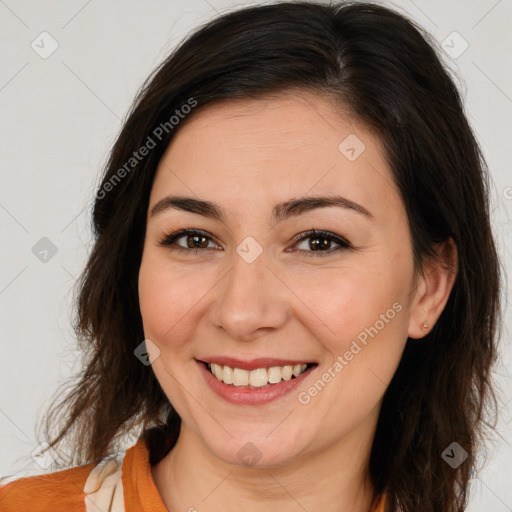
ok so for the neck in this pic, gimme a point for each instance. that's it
(336, 479)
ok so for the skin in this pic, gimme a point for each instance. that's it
(247, 156)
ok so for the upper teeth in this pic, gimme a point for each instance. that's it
(256, 378)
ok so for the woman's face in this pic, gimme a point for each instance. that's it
(242, 289)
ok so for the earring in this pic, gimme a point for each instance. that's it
(425, 325)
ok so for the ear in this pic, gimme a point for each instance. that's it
(433, 288)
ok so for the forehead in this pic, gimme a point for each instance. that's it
(287, 145)
(288, 121)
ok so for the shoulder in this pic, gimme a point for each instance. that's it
(93, 486)
(60, 490)
(71, 490)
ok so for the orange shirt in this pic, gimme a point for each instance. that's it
(63, 491)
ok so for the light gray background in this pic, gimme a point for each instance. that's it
(59, 117)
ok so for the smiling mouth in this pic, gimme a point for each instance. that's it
(257, 378)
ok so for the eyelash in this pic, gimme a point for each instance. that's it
(169, 241)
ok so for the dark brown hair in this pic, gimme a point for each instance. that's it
(381, 68)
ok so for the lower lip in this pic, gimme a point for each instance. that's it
(247, 396)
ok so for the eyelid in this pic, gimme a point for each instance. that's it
(343, 243)
(169, 240)
(311, 233)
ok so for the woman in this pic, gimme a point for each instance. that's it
(293, 294)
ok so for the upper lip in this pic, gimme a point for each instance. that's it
(253, 364)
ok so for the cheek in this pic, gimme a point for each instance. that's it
(343, 302)
(167, 298)
(361, 319)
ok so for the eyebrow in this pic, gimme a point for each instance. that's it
(280, 212)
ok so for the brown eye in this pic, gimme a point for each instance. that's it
(320, 243)
(194, 240)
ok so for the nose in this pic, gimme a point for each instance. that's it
(252, 300)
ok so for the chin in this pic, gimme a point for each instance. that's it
(256, 449)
